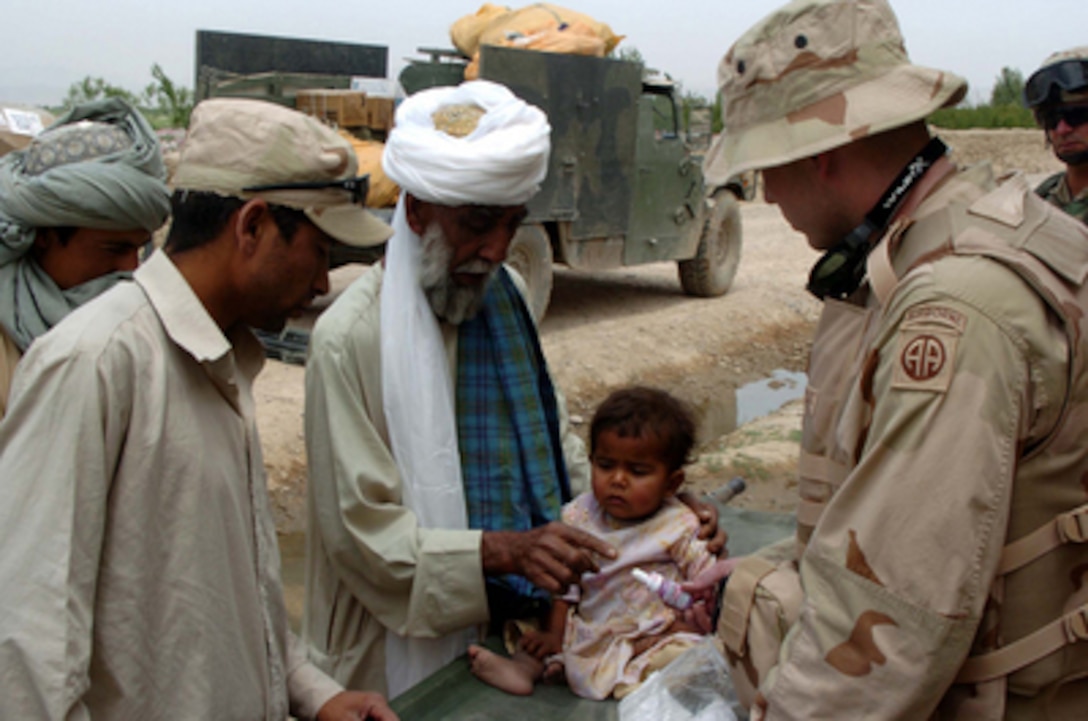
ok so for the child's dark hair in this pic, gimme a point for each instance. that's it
(639, 412)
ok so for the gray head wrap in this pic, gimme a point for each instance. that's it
(99, 166)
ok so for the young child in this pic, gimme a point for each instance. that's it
(611, 631)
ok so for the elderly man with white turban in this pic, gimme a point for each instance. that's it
(435, 440)
(439, 452)
(76, 206)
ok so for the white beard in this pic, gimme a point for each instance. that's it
(451, 302)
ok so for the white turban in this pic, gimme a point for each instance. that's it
(500, 162)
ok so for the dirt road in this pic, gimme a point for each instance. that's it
(604, 330)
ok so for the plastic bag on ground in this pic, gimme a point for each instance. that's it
(694, 687)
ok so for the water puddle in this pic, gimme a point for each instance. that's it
(728, 411)
(766, 396)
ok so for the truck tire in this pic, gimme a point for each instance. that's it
(530, 254)
(711, 271)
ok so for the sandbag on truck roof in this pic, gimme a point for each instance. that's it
(541, 26)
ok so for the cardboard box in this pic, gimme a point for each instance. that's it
(379, 113)
(344, 108)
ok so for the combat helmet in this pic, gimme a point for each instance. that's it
(1059, 89)
(1062, 78)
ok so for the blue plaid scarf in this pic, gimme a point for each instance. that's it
(508, 423)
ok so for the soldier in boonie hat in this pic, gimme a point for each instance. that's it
(817, 75)
(1058, 95)
(922, 433)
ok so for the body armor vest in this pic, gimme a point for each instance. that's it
(1022, 645)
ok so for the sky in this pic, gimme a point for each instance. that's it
(46, 45)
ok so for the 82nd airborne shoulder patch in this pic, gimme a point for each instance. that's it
(926, 348)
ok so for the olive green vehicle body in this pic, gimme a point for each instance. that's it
(624, 184)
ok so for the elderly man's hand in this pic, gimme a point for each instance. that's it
(551, 557)
(356, 706)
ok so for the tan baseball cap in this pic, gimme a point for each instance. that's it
(254, 149)
(815, 75)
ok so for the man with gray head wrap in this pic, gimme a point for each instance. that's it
(76, 206)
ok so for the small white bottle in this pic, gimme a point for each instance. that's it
(669, 591)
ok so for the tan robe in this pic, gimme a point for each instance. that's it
(370, 566)
(140, 577)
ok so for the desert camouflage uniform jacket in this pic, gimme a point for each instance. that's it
(1055, 190)
(944, 418)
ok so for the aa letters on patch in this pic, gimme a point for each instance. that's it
(926, 348)
(925, 358)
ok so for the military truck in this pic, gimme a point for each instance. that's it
(624, 186)
(275, 68)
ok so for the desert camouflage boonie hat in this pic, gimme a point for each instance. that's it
(815, 75)
(255, 149)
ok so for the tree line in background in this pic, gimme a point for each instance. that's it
(164, 103)
(1005, 110)
(168, 105)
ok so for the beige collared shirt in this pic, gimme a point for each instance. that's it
(140, 574)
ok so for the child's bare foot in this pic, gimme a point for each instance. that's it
(506, 674)
(554, 673)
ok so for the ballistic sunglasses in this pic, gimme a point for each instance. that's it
(1068, 75)
(357, 187)
(840, 271)
(1073, 115)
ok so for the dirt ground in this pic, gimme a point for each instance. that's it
(604, 330)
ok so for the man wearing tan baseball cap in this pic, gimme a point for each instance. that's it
(935, 572)
(140, 576)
